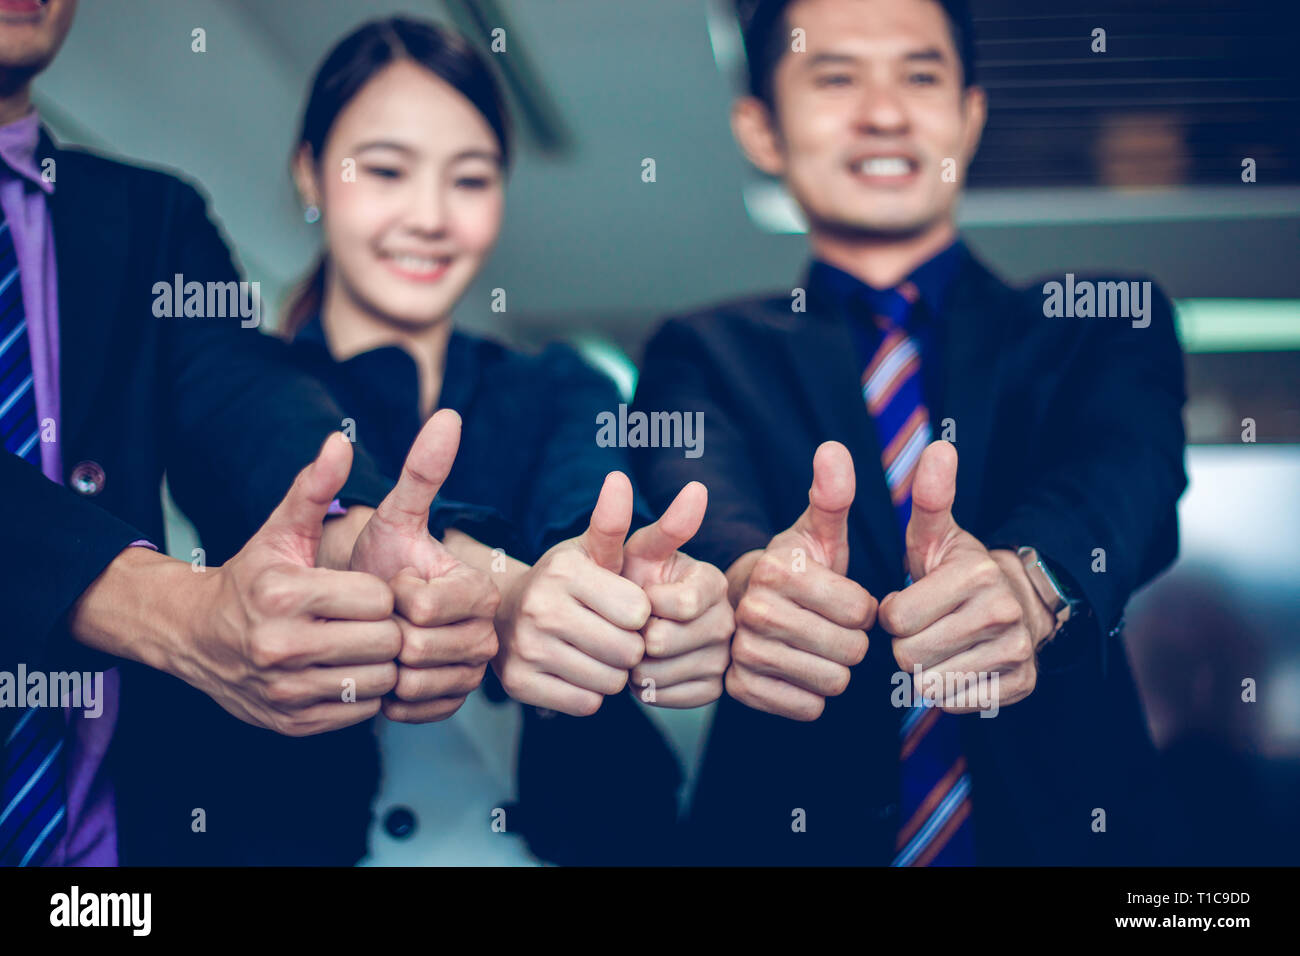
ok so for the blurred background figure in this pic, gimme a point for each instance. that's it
(1141, 150)
(1164, 145)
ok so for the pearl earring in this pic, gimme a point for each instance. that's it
(311, 214)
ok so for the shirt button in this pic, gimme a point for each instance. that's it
(399, 822)
(887, 811)
(87, 478)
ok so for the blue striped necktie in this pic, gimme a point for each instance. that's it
(32, 796)
(936, 802)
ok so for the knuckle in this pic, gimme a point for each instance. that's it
(281, 693)
(838, 682)
(758, 659)
(1004, 610)
(639, 610)
(422, 607)
(770, 571)
(810, 709)
(266, 650)
(295, 727)
(756, 614)
(415, 647)
(537, 604)
(278, 723)
(391, 638)
(742, 648)
(616, 683)
(487, 647)
(985, 572)
(397, 710)
(858, 651)
(656, 638)
(867, 610)
(274, 595)
(631, 653)
(530, 648)
(691, 604)
(408, 684)
(888, 617)
(462, 682)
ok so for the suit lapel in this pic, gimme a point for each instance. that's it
(973, 331)
(90, 231)
(825, 361)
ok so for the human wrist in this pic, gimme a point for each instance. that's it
(141, 607)
(1038, 616)
(339, 536)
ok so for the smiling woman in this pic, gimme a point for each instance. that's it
(403, 148)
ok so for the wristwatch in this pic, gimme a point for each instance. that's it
(1060, 600)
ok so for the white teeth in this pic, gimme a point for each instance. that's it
(885, 166)
(418, 263)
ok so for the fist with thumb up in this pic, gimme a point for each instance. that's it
(688, 636)
(969, 611)
(281, 642)
(569, 628)
(800, 622)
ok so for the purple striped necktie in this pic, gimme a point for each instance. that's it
(32, 796)
(937, 829)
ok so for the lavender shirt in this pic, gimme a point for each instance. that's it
(91, 835)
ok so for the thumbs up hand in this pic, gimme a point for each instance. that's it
(284, 644)
(969, 611)
(570, 630)
(445, 609)
(800, 623)
(688, 636)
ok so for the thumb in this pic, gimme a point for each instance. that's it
(302, 512)
(933, 490)
(610, 519)
(427, 465)
(829, 499)
(677, 525)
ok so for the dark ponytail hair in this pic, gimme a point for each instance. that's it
(356, 59)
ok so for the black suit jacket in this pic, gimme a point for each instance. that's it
(220, 408)
(1069, 438)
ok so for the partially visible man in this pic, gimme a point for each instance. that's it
(1002, 582)
(300, 631)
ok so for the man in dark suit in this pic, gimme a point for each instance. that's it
(991, 718)
(297, 633)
